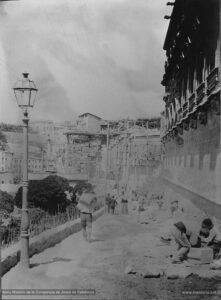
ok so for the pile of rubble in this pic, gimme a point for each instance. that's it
(176, 271)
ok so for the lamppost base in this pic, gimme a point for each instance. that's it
(24, 259)
(24, 265)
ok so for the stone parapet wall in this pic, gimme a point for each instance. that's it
(196, 165)
(195, 207)
(49, 238)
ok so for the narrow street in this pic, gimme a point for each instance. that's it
(110, 105)
(120, 243)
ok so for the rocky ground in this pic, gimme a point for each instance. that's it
(126, 260)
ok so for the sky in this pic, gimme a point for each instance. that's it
(100, 56)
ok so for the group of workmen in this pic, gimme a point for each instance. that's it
(187, 237)
(116, 201)
(110, 204)
(124, 202)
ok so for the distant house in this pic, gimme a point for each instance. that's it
(6, 167)
(5, 161)
(43, 127)
(89, 122)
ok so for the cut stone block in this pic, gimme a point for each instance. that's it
(155, 274)
(129, 270)
(194, 254)
(203, 255)
(206, 256)
(172, 276)
(178, 272)
(152, 272)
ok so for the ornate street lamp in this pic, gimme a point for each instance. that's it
(25, 94)
(107, 159)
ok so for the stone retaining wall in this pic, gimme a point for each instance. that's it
(47, 239)
(196, 165)
(195, 207)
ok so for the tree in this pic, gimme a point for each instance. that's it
(3, 138)
(79, 187)
(47, 194)
(6, 202)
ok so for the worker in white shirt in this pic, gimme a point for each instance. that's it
(85, 205)
(210, 236)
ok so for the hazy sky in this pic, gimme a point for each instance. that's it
(98, 56)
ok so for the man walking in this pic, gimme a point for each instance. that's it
(113, 204)
(107, 204)
(85, 205)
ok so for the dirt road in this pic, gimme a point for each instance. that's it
(119, 242)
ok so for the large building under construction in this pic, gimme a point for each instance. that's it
(191, 137)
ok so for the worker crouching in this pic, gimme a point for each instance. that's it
(178, 231)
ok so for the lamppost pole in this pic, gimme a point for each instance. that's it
(25, 216)
(25, 93)
(107, 158)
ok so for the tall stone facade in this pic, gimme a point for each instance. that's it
(191, 137)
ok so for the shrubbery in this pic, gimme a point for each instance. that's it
(6, 202)
(79, 187)
(47, 194)
(48, 205)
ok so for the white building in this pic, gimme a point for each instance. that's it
(54, 130)
(6, 161)
(6, 166)
(43, 127)
(89, 122)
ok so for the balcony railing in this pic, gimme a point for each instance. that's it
(169, 125)
(200, 93)
(192, 102)
(185, 109)
(195, 100)
(175, 120)
(179, 114)
(212, 80)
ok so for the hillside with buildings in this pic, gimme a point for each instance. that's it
(90, 149)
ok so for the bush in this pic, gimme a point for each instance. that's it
(36, 214)
(6, 202)
(47, 194)
(79, 187)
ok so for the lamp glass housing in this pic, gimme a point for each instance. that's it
(25, 92)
